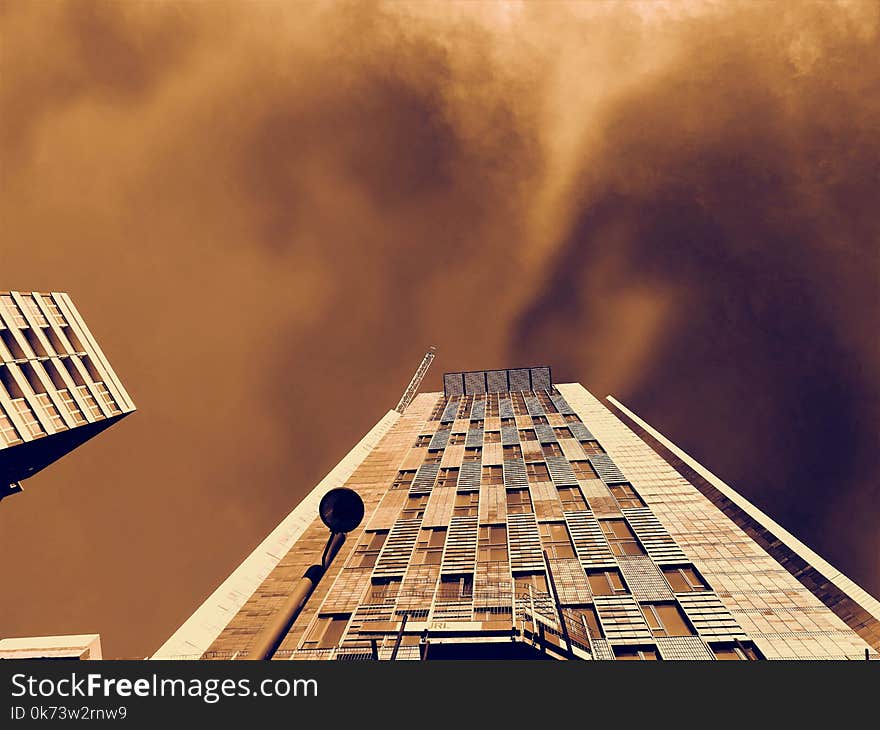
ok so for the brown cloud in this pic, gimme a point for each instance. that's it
(266, 213)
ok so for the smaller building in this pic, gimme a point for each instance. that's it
(76, 646)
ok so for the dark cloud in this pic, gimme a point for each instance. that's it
(266, 215)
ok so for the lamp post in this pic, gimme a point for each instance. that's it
(342, 510)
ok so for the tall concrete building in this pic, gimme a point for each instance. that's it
(509, 517)
(57, 389)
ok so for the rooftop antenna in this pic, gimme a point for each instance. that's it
(416, 381)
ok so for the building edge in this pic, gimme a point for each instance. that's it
(200, 630)
(845, 598)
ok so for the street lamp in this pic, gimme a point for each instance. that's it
(342, 510)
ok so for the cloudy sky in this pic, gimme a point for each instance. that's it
(266, 212)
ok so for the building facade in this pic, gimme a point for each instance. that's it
(509, 517)
(57, 389)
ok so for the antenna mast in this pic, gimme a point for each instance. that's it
(416, 381)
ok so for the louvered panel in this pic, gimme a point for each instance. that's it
(533, 406)
(440, 506)
(478, 410)
(561, 472)
(452, 611)
(580, 431)
(570, 581)
(505, 407)
(561, 405)
(546, 501)
(440, 439)
(519, 380)
(571, 449)
(424, 479)
(514, 471)
(545, 433)
(606, 469)
(644, 579)
(492, 454)
(388, 511)
(622, 619)
(541, 378)
(683, 647)
(418, 587)
(469, 475)
(366, 615)
(497, 380)
(524, 543)
(475, 383)
(397, 549)
(710, 617)
(347, 591)
(509, 436)
(589, 542)
(599, 497)
(657, 541)
(601, 650)
(450, 412)
(493, 503)
(474, 437)
(452, 455)
(461, 546)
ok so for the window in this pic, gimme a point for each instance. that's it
(456, 439)
(8, 434)
(423, 440)
(455, 588)
(13, 313)
(636, 653)
(31, 306)
(540, 420)
(572, 499)
(492, 407)
(583, 470)
(448, 477)
(476, 425)
(537, 472)
(583, 620)
(473, 454)
(403, 480)
(326, 632)
(592, 447)
(51, 411)
(572, 418)
(740, 651)
(429, 547)
(562, 432)
(518, 501)
(106, 398)
(530, 584)
(55, 312)
(367, 551)
(414, 508)
(438, 409)
(492, 546)
(464, 409)
(684, 579)
(27, 415)
(626, 496)
(493, 475)
(528, 434)
(508, 422)
(492, 437)
(554, 536)
(621, 538)
(84, 393)
(551, 450)
(666, 619)
(466, 504)
(606, 582)
(383, 590)
(71, 407)
(512, 452)
(519, 405)
(433, 457)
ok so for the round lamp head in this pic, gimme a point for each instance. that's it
(341, 509)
